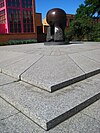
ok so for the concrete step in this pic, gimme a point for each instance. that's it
(49, 109)
(52, 72)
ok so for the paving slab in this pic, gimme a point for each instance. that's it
(6, 110)
(4, 79)
(22, 48)
(79, 123)
(93, 43)
(93, 111)
(59, 67)
(94, 55)
(50, 109)
(5, 55)
(86, 64)
(78, 48)
(16, 66)
(53, 72)
(11, 61)
(40, 47)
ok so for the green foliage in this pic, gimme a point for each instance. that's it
(84, 27)
(15, 42)
(80, 29)
(76, 28)
(82, 11)
(95, 35)
(93, 6)
(68, 35)
(89, 9)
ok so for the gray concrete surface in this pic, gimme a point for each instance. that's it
(82, 122)
(5, 80)
(94, 55)
(51, 71)
(50, 68)
(6, 110)
(86, 64)
(18, 67)
(49, 109)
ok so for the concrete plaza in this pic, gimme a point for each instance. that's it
(55, 88)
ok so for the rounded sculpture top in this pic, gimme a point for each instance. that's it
(56, 15)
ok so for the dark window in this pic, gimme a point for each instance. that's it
(27, 21)
(2, 17)
(27, 3)
(13, 3)
(14, 20)
(1, 3)
(18, 20)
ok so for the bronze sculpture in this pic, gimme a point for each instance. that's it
(56, 18)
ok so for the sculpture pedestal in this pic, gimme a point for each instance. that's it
(55, 43)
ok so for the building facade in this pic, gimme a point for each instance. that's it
(69, 19)
(17, 16)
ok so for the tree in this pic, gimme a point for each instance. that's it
(84, 26)
(93, 6)
(90, 8)
(82, 12)
(80, 28)
(95, 35)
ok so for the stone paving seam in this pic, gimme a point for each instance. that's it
(9, 116)
(13, 62)
(51, 51)
(55, 50)
(60, 51)
(90, 58)
(30, 67)
(90, 74)
(17, 80)
(76, 63)
(8, 83)
(20, 112)
(98, 96)
(90, 117)
(9, 103)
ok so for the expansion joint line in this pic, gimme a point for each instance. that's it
(76, 64)
(91, 116)
(90, 58)
(30, 67)
(9, 116)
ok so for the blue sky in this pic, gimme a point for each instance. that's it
(69, 6)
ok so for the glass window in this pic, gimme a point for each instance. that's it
(13, 3)
(2, 17)
(27, 21)
(27, 3)
(1, 3)
(14, 20)
(14, 15)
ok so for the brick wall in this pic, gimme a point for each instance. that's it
(24, 36)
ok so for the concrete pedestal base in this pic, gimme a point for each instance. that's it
(55, 43)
